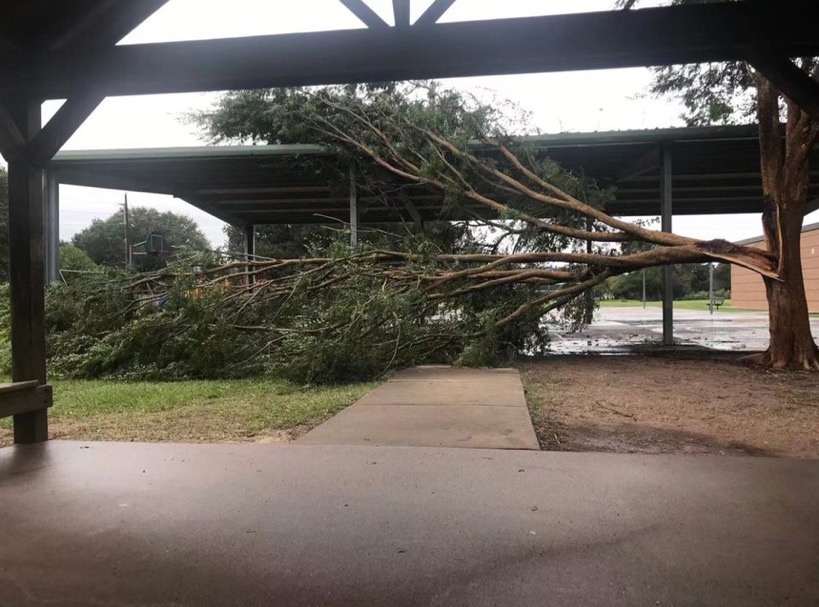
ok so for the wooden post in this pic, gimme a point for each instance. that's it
(27, 273)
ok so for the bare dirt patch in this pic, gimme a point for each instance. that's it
(642, 404)
(108, 429)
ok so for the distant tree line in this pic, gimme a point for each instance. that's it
(104, 240)
(690, 281)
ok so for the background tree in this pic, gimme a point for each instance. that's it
(74, 259)
(691, 281)
(104, 240)
(721, 93)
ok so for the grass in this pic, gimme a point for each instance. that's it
(191, 411)
(694, 304)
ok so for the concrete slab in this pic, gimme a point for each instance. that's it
(428, 426)
(436, 406)
(445, 373)
(161, 524)
(495, 391)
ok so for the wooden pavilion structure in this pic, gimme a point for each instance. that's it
(58, 49)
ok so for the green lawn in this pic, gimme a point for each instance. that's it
(191, 411)
(694, 304)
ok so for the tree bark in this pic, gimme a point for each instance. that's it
(791, 341)
(785, 178)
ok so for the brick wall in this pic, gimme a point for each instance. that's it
(748, 291)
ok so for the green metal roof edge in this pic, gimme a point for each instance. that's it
(682, 134)
(193, 152)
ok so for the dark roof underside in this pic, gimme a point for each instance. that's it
(58, 49)
(716, 170)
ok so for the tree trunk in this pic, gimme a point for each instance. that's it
(785, 178)
(791, 341)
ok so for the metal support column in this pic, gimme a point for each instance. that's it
(666, 178)
(711, 288)
(353, 210)
(250, 251)
(27, 272)
(52, 229)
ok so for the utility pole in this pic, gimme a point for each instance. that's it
(127, 236)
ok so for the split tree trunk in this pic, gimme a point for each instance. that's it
(785, 178)
(791, 341)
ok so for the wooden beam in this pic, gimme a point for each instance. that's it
(401, 12)
(721, 31)
(105, 24)
(9, 49)
(62, 126)
(12, 142)
(364, 13)
(791, 80)
(434, 12)
(27, 274)
(19, 401)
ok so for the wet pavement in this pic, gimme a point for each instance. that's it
(164, 524)
(628, 329)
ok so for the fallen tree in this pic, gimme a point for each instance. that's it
(425, 135)
(508, 176)
(541, 247)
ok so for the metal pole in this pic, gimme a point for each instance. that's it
(668, 271)
(711, 287)
(644, 287)
(353, 209)
(250, 252)
(128, 257)
(52, 229)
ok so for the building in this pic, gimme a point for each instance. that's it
(748, 290)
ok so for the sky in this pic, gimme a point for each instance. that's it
(574, 101)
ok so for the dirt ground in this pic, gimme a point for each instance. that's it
(646, 404)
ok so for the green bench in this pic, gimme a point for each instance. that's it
(717, 302)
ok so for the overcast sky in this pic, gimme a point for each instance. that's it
(579, 101)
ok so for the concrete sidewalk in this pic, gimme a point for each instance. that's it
(162, 524)
(435, 406)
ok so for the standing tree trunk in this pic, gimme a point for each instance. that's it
(785, 179)
(791, 339)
